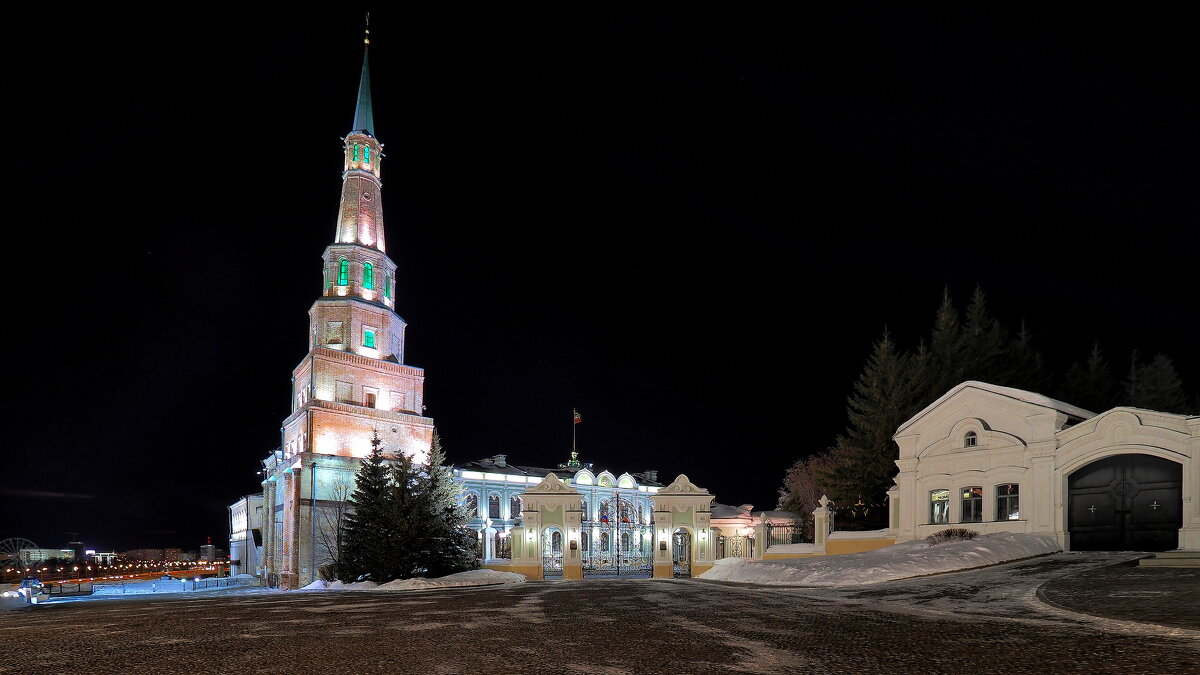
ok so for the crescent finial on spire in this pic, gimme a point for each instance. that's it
(367, 32)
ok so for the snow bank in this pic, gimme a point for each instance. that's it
(909, 559)
(469, 578)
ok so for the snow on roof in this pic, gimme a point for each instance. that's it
(1018, 394)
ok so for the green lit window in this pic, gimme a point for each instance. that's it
(368, 276)
(367, 154)
(368, 338)
(356, 152)
(387, 285)
(344, 272)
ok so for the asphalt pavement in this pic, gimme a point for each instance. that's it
(984, 621)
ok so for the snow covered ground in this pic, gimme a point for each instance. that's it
(470, 578)
(908, 559)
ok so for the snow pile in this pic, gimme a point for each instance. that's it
(470, 578)
(909, 559)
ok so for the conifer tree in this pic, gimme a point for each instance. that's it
(1026, 367)
(366, 528)
(405, 521)
(1090, 385)
(983, 349)
(1155, 385)
(945, 351)
(448, 547)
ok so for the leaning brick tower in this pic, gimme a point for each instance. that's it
(353, 383)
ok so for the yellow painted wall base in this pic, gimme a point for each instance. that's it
(531, 572)
(842, 546)
(499, 567)
(699, 568)
(666, 571)
(788, 556)
(572, 572)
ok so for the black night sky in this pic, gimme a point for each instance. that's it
(689, 225)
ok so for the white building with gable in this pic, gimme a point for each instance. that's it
(997, 459)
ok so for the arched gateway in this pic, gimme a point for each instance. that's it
(1129, 502)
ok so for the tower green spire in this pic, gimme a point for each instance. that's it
(364, 121)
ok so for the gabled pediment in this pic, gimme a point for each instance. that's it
(1020, 413)
(551, 484)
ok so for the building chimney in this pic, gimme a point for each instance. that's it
(651, 475)
(499, 460)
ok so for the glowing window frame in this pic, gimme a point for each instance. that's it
(368, 276)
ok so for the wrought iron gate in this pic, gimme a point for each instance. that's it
(552, 554)
(616, 549)
(681, 553)
(620, 544)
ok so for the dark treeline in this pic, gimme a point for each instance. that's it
(895, 384)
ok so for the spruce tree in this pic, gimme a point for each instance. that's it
(446, 545)
(405, 522)
(1155, 386)
(945, 351)
(983, 353)
(882, 399)
(1026, 367)
(366, 528)
(1090, 385)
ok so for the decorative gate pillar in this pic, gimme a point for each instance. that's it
(549, 505)
(682, 504)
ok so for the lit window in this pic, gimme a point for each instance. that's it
(343, 273)
(368, 276)
(970, 440)
(972, 504)
(367, 154)
(356, 152)
(939, 507)
(1008, 501)
(493, 506)
(387, 285)
(369, 338)
(514, 507)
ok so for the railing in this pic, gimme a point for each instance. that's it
(785, 533)
(736, 547)
(69, 589)
(220, 582)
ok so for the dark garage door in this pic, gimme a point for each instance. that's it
(1126, 503)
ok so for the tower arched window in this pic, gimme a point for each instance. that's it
(387, 285)
(356, 152)
(970, 440)
(368, 276)
(343, 276)
(367, 154)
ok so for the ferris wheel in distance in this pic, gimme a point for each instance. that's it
(10, 551)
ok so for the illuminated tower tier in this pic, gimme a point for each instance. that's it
(353, 383)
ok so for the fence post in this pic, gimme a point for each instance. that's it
(821, 524)
(760, 537)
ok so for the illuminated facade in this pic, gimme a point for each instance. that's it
(997, 459)
(352, 384)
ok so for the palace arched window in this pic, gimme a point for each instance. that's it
(514, 507)
(472, 506)
(493, 506)
(556, 541)
(604, 542)
(343, 275)
(368, 276)
(584, 504)
(970, 440)
(624, 541)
